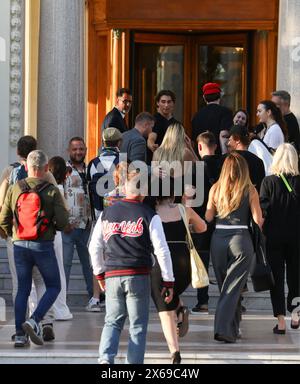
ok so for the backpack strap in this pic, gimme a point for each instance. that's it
(25, 187)
(41, 187)
(270, 150)
(15, 165)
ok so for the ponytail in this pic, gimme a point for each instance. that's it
(277, 116)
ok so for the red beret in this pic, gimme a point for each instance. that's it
(210, 88)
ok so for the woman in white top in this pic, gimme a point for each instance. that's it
(57, 166)
(270, 115)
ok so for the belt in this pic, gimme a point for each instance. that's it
(220, 226)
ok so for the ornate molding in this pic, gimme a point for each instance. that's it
(15, 106)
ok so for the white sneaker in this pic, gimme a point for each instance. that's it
(104, 362)
(34, 331)
(93, 305)
(64, 318)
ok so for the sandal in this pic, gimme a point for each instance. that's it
(183, 325)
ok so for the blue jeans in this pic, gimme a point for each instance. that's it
(128, 295)
(78, 238)
(27, 254)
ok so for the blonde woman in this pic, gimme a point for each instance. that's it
(176, 147)
(280, 202)
(230, 200)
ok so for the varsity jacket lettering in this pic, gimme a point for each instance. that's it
(123, 239)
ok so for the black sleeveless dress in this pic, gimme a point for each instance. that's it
(175, 232)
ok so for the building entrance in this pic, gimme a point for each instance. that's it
(184, 63)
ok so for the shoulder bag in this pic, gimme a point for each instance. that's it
(199, 278)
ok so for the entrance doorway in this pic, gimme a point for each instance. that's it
(184, 63)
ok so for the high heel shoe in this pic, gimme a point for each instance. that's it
(278, 331)
(176, 358)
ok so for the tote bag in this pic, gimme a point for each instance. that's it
(199, 278)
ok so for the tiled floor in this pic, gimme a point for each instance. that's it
(77, 342)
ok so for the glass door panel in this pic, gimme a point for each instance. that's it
(158, 67)
(183, 63)
(223, 65)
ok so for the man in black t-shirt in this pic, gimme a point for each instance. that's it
(213, 117)
(165, 103)
(283, 101)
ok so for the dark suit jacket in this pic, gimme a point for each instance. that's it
(114, 119)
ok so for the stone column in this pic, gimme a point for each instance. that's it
(11, 78)
(4, 82)
(288, 65)
(61, 74)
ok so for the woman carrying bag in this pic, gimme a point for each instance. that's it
(232, 200)
(174, 316)
(280, 202)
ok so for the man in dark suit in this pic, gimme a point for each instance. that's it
(116, 117)
(213, 117)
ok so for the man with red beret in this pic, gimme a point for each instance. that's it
(213, 117)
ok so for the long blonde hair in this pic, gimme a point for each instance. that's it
(232, 186)
(173, 146)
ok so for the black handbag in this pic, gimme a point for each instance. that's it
(262, 276)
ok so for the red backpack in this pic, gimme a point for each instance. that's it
(29, 217)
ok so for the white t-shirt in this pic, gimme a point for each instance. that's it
(274, 136)
(258, 148)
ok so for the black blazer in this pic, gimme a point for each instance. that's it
(114, 119)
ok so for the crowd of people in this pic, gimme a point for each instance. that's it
(131, 239)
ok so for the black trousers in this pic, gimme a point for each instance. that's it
(232, 257)
(284, 257)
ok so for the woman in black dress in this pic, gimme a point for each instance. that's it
(174, 315)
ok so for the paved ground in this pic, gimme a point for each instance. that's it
(77, 342)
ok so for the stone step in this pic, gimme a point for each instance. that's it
(77, 295)
(4, 267)
(252, 300)
(77, 342)
(65, 357)
(77, 282)
(3, 253)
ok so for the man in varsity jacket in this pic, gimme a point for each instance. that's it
(125, 234)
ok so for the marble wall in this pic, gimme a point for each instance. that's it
(288, 66)
(61, 74)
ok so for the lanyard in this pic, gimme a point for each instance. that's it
(286, 183)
